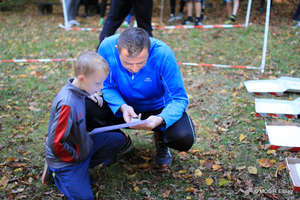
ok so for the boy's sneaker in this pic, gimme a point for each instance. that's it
(172, 18)
(47, 177)
(179, 16)
(163, 156)
(188, 21)
(198, 21)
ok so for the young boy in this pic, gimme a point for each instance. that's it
(70, 149)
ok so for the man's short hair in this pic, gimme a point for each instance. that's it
(134, 40)
(88, 62)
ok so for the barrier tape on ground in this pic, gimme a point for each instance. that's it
(200, 26)
(73, 59)
(276, 115)
(277, 94)
(37, 60)
(172, 27)
(218, 65)
(281, 148)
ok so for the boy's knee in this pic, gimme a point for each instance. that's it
(119, 139)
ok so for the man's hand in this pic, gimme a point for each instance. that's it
(152, 122)
(128, 113)
(97, 99)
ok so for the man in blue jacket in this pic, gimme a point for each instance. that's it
(144, 80)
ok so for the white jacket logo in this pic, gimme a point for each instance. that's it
(147, 79)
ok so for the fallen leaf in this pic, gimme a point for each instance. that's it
(208, 164)
(194, 151)
(190, 189)
(17, 190)
(166, 193)
(241, 167)
(271, 151)
(252, 170)
(18, 170)
(266, 163)
(197, 173)
(136, 188)
(209, 181)
(144, 166)
(202, 162)
(22, 76)
(17, 164)
(182, 171)
(3, 182)
(242, 137)
(188, 198)
(216, 167)
(223, 91)
(281, 167)
(252, 129)
(223, 182)
(183, 156)
(10, 159)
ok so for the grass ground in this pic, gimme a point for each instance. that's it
(230, 159)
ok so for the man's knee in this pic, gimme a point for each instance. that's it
(183, 141)
(181, 135)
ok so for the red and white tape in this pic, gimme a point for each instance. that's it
(85, 29)
(218, 65)
(277, 94)
(73, 59)
(282, 148)
(37, 60)
(200, 26)
(172, 27)
(276, 115)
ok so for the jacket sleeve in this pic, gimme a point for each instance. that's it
(173, 85)
(112, 95)
(60, 130)
(110, 91)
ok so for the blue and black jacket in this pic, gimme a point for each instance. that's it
(157, 85)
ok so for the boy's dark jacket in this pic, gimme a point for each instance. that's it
(68, 140)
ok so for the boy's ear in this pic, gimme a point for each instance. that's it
(81, 77)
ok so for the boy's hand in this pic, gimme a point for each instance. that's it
(128, 113)
(97, 99)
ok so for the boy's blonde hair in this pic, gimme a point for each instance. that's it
(88, 62)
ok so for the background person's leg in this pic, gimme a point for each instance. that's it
(297, 14)
(236, 4)
(119, 9)
(103, 5)
(143, 14)
(229, 7)
(74, 9)
(172, 10)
